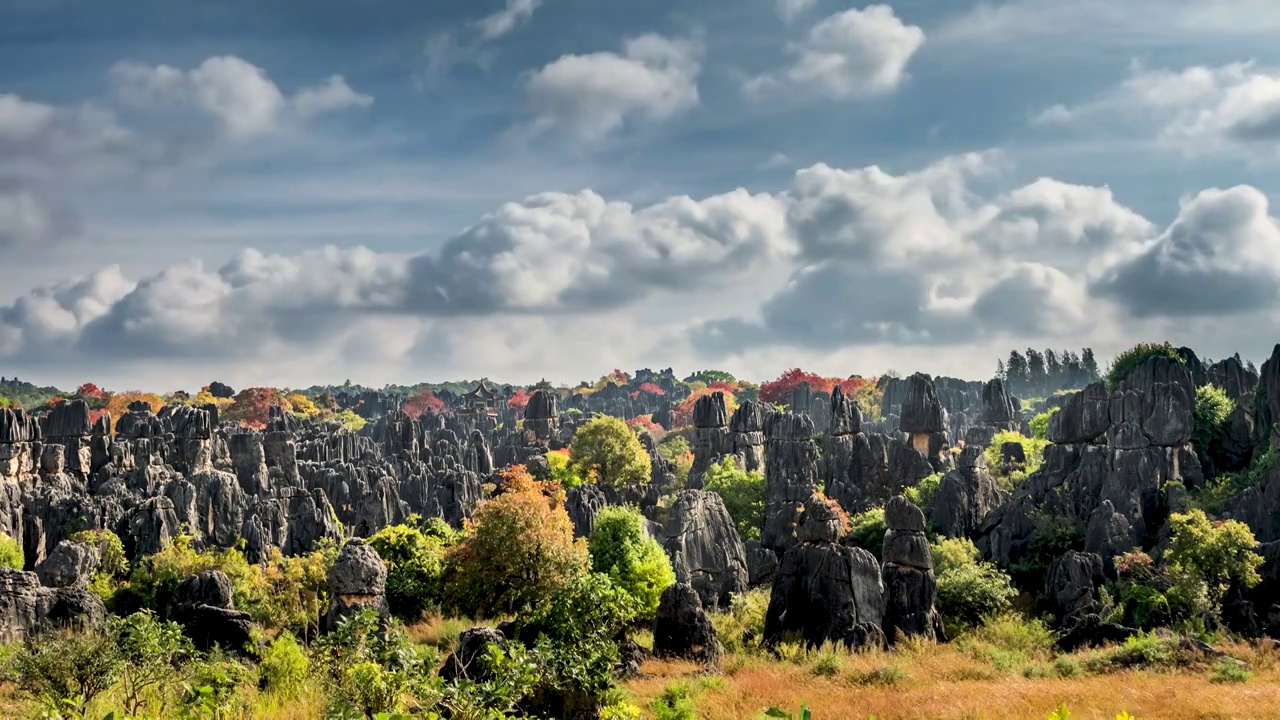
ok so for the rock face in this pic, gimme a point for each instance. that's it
(69, 565)
(762, 564)
(681, 629)
(792, 475)
(357, 582)
(203, 607)
(1072, 586)
(27, 608)
(584, 502)
(825, 591)
(966, 496)
(704, 547)
(909, 586)
(711, 438)
(1106, 473)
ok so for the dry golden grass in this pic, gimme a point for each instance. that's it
(945, 683)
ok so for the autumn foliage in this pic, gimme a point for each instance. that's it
(422, 403)
(648, 388)
(519, 550)
(779, 391)
(682, 416)
(519, 399)
(646, 423)
(252, 407)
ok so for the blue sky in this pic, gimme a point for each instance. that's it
(212, 151)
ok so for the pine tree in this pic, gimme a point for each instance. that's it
(1053, 372)
(1000, 372)
(1090, 366)
(1036, 378)
(1016, 373)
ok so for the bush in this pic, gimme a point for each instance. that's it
(969, 591)
(634, 562)
(367, 668)
(519, 549)
(1040, 424)
(866, 531)
(66, 673)
(1009, 641)
(607, 452)
(1126, 362)
(284, 666)
(1033, 448)
(742, 493)
(415, 569)
(921, 494)
(951, 553)
(216, 687)
(11, 555)
(113, 565)
(1053, 536)
(1205, 558)
(153, 655)
(675, 703)
(1213, 407)
(1229, 671)
(561, 470)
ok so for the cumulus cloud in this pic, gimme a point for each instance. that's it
(852, 54)
(1221, 256)
(1199, 108)
(554, 253)
(921, 258)
(238, 95)
(590, 96)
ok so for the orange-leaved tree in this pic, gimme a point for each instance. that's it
(518, 551)
(252, 407)
(519, 399)
(682, 415)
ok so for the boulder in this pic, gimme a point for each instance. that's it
(470, 660)
(357, 582)
(204, 608)
(909, 585)
(704, 547)
(68, 565)
(681, 628)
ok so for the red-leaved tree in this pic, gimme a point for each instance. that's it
(646, 423)
(422, 403)
(649, 388)
(252, 407)
(519, 399)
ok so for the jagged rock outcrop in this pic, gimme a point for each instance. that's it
(584, 502)
(909, 585)
(27, 608)
(792, 475)
(965, 496)
(681, 628)
(762, 564)
(1072, 586)
(68, 565)
(704, 547)
(711, 437)
(357, 582)
(825, 592)
(746, 430)
(204, 608)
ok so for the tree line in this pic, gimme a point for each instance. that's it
(1040, 374)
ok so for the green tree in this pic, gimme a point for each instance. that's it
(415, 569)
(743, 495)
(969, 591)
(634, 562)
(1040, 424)
(1205, 558)
(606, 451)
(65, 673)
(153, 653)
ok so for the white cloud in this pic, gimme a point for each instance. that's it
(238, 95)
(789, 10)
(590, 96)
(848, 55)
(1079, 25)
(515, 14)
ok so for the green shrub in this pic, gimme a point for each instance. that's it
(921, 495)
(366, 667)
(675, 703)
(1040, 424)
(967, 594)
(1009, 641)
(885, 675)
(153, 655)
(65, 673)
(11, 555)
(1213, 407)
(742, 493)
(949, 553)
(1052, 536)
(1229, 671)
(866, 531)
(1126, 362)
(284, 666)
(216, 687)
(1032, 447)
(828, 664)
(607, 452)
(743, 624)
(634, 562)
(415, 569)
(1205, 558)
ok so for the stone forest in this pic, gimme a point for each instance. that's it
(1057, 540)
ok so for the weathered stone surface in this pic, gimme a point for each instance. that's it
(1085, 416)
(681, 628)
(584, 502)
(704, 547)
(966, 496)
(762, 564)
(68, 565)
(909, 586)
(826, 592)
(203, 607)
(357, 582)
(922, 413)
(26, 608)
(1072, 585)
(469, 661)
(792, 475)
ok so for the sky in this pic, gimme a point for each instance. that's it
(293, 193)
